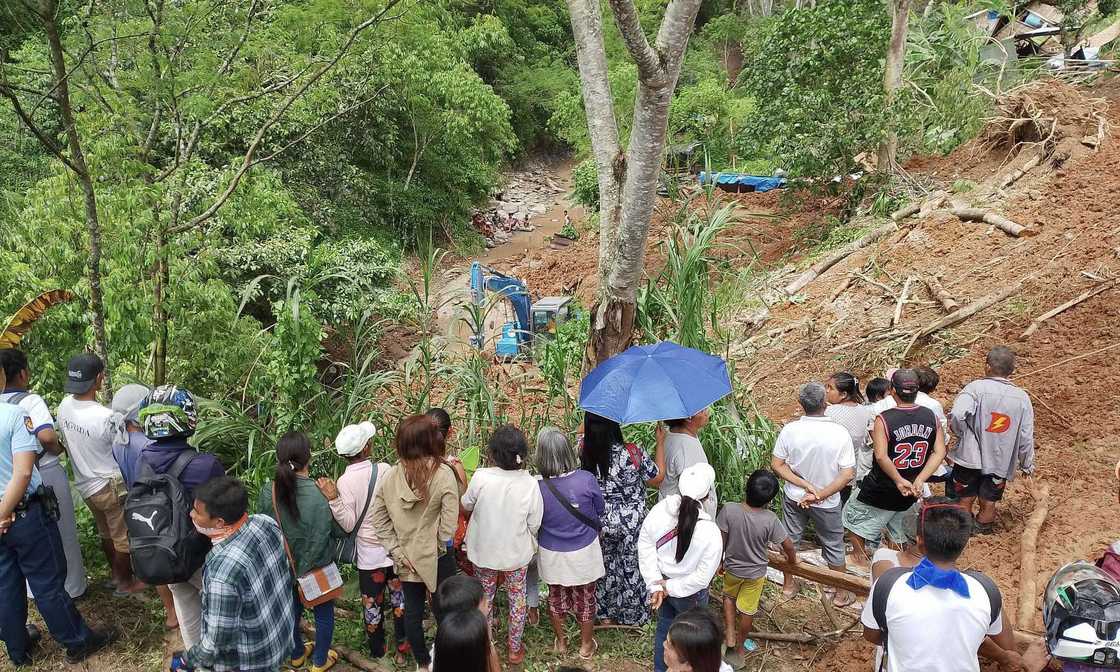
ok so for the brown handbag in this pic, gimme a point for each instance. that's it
(317, 586)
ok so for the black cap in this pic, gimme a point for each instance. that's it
(81, 373)
(905, 380)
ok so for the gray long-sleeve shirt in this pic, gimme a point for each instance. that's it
(994, 423)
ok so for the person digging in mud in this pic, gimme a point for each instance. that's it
(994, 423)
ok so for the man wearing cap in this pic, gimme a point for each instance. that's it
(994, 423)
(909, 447)
(88, 431)
(17, 369)
(351, 502)
(31, 551)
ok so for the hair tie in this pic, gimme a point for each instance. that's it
(291, 465)
(518, 458)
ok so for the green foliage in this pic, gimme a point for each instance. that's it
(585, 185)
(1108, 7)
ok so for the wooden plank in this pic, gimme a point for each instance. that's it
(856, 584)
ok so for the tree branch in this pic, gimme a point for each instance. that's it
(651, 70)
(247, 161)
(303, 136)
(48, 142)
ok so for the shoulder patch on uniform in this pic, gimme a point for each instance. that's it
(28, 424)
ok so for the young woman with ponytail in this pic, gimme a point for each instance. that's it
(847, 406)
(679, 551)
(308, 526)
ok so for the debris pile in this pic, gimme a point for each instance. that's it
(526, 194)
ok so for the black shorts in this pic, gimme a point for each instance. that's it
(971, 483)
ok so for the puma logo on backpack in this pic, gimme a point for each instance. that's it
(162, 541)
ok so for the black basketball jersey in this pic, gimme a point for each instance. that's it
(911, 433)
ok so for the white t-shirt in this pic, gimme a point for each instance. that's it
(41, 419)
(87, 429)
(934, 630)
(816, 449)
(922, 399)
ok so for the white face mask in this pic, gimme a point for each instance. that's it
(209, 531)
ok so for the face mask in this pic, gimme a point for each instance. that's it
(209, 531)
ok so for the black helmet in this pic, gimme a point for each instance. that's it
(1081, 610)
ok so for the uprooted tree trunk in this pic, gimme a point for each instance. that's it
(627, 176)
(892, 81)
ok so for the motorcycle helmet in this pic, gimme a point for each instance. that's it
(1081, 610)
(169, 412)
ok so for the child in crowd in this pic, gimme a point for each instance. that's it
(507, 508)
(463, 593)
(748, 530)
(462, 643)
(694, 643)
(877, 389)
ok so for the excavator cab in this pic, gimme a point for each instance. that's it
(548, 314)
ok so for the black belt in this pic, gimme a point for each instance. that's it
(27, 501)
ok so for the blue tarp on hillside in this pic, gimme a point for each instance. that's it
(742, 181)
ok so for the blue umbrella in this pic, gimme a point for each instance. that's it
(662, 381)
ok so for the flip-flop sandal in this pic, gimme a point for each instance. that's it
(534, 616)
(594, 650)
(332, 658)
(556, 648)
(307, 649)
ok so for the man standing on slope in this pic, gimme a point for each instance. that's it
(994, 423)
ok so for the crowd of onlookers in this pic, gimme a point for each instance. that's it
(569, 511)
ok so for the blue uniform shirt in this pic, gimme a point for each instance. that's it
(16, 437)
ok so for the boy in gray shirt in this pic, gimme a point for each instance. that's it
(682, 450)
(994, 423)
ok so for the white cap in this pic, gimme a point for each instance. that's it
(352, 439)
(697, 481)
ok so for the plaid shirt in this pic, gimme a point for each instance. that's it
(248, 610)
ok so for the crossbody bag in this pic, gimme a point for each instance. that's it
(317, 586)
(346, 548)
(571, 508)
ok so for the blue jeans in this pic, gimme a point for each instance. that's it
(31, 550)
(324, 631)
(670, 609)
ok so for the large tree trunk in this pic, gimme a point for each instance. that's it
(627, 181)
(48, 10)
(892, 81)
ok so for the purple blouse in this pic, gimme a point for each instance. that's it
(560, 530)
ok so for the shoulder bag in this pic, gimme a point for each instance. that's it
(570, 508)
(346, 548)
(317, 586)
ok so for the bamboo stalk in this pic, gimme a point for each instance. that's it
(1037, 322)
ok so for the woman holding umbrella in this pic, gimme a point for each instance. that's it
(623, 471)
(646, 383)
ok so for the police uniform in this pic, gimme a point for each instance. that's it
(31, 552)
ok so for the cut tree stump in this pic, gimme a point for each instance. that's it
(1037, 322)
(943, 297)
(856, 584)
(1002, 223)
(1028, 565)
(836, 257)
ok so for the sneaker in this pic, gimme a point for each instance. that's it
(94, 643)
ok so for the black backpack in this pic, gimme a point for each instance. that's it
(882, 590)
(162, 541)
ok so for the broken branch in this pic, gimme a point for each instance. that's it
(943, 297)
(843, 287)
(1037, 322)
(836, 257)
(963, 314)
(1006, 225)
(850, 582)
(1028, 572)
(1014, 175)
(897, 317)
(906, 211)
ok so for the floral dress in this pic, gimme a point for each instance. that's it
(621, 594)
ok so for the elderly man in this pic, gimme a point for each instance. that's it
(994, 423)
(814, 456)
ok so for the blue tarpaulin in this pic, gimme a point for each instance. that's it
(742, 182)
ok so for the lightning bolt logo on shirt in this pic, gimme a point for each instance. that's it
(999, 423)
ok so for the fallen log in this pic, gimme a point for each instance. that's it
(841, 289)
(1037, 322)
(963, 314)
(850, 582)
(1028, 565)
(1014, 175)
(897, 317)
(906, 211)
(350, 655)
(814, 271)
(943, 297)
(1004, 224)
(795, 637)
